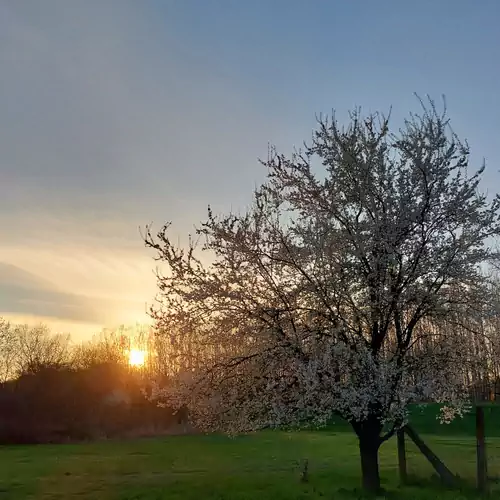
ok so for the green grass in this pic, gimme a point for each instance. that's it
(258, 467)
(424, 419)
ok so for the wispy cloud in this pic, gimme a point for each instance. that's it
(116, 113)
(98, 138)
(24, 293)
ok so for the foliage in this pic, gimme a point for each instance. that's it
(54, 391)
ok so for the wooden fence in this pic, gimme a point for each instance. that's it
(447, 477)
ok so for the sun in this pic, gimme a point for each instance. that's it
(136, 357)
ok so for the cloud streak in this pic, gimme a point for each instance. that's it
(116, 113)
(98, 139)
(24, 293)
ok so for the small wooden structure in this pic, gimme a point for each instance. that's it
(447, 477)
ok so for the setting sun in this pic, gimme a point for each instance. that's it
(136, 357)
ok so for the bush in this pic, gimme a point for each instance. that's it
(54, 404)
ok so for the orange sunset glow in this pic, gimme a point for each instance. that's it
(137, 357)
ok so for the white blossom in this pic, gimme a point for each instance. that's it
(335, 293)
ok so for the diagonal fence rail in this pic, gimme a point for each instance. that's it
(470, 462)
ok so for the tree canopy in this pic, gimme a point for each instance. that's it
(329, 294)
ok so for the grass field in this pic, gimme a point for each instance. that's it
(258, 467)
(264, 466)
(423, 419)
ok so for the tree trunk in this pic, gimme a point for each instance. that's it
(368, 432)
(368, 448)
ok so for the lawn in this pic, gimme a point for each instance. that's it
(424, 419)
(258, 467)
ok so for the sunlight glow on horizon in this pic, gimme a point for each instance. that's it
(136, 357)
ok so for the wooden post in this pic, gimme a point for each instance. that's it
(444, 473)
(403, 474)
(482, 465)
(304, 477)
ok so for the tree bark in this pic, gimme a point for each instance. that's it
(368, 432)
(368, 447)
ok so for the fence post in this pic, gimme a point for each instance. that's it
(403, 475)
(444, 473)
(482, 464)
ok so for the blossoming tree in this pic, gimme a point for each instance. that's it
(312, 303)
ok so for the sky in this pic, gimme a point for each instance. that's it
(115, 114)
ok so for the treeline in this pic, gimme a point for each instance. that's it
(53, 390)
(475, 327)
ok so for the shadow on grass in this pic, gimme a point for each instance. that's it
(464, 488)
(419, 488)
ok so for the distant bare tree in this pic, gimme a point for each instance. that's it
(113, 345)
(108, 347)
(37, 348)
(8, 350)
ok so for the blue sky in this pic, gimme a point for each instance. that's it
(118, 113)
